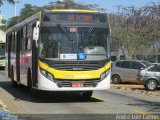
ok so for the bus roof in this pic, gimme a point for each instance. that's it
(74, 10)
(29, 19)
(35, 16)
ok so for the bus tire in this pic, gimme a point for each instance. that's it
(33, 92)
(28, 78)
(13, 82)
(87, 94)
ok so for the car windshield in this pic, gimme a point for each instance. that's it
(59, 40)
(147, 63)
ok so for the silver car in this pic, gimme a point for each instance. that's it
(150, 77)
(127, 70)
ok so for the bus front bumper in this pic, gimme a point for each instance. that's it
(48, 85)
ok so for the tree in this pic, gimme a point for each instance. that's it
(136, 30)
(3, 25)
(12, 21)
(9, 1)
(29, 10)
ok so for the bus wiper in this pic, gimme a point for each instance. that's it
(88, 33)
(64, 31)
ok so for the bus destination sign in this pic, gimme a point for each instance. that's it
(74, 17)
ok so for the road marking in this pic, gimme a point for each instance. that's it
(94, 97)
(139, 111)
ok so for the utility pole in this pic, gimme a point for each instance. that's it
(15, 7)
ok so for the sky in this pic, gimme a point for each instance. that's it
(7, 10)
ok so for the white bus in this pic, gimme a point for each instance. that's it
(60, 50)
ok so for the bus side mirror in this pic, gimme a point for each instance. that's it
(35, 33)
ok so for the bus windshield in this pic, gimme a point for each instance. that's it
(60, 39)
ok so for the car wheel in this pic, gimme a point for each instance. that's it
(151, 85)
(116, 79)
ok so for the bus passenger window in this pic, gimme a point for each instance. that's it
(29, 45)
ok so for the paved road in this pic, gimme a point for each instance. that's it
(18, 101)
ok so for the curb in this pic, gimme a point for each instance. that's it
(3, 106)
(135, 90)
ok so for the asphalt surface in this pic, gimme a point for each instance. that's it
(103, 104)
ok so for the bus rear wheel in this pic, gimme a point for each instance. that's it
(13, 82)
(87, 94)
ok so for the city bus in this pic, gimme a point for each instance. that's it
(2, 55)
(60, 50)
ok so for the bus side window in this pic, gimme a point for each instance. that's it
(29, 43)
(13, 42)
(9, 41)
(29, 30)
(7, 36)
(21, 36)
(23, 39)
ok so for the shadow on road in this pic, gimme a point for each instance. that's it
(154, 107)
(157, 90)
(2, 69)
(22, 93)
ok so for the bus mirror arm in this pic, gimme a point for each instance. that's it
(35, 33)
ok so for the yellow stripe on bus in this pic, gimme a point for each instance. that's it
(74, 75)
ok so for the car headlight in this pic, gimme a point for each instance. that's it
(47, 74)
(105, 74)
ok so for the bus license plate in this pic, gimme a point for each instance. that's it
(77, 84)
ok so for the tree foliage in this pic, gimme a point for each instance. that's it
(136, 30)
(30, 10)
(9, 1)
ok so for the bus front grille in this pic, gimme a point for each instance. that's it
(91, 83)
(78, 67)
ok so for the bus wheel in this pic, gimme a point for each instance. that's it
(33, 92)
(13, 82)
(87, 94)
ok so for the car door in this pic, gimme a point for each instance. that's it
(157, 72)
(135, 69)
(125, 70)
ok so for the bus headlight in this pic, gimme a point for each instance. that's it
(47, 74)
(105, 74)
